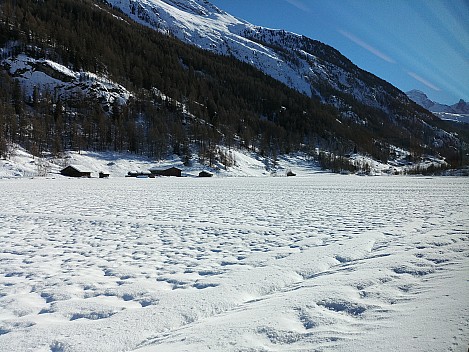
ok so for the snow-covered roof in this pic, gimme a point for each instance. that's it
(79, 168)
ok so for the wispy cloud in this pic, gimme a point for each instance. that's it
(366, 46)
(423, 80)
(299, 5)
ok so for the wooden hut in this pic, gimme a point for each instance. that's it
(172, 171)
(75, 171)
(139, 174)
(205, 174)
(103, 175)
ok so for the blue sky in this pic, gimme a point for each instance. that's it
(413, 44)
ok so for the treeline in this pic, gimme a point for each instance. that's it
(215, 100)
(41, 123)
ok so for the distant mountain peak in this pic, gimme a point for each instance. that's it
(416, 93)
(421, 98)
(461, 107)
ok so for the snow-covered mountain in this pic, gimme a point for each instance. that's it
(421, 98)
(456, 112)
(368, 113)
(200, 23)
(461, 107)
(306, 65)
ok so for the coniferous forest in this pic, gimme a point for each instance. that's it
(184, 100)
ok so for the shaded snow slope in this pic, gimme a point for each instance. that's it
(21, 164)
(246, 164)
(324, 263)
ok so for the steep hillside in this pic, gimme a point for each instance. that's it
(47, 75)
(306, 65)
(148, 93)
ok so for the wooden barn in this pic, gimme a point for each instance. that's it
(75, 171)
(205, 174)
(172, 171)
(139, 174)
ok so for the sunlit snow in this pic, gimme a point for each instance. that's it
(49, 76)
(323, 262)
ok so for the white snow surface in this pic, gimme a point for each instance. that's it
(22, 164)
(59, 80)
(462, 118)
(315, 263)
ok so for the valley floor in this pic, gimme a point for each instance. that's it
(317, 263)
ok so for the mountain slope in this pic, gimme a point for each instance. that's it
(204, 25)
(66, 84)
(179, 98)
(182, 96)
(306, 65)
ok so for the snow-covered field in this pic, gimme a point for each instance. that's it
(316, 263)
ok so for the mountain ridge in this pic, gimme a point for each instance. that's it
(295, 60)
(461, 107)
(458, 112)
(188, 100)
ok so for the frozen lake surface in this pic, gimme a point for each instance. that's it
(320, 263)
